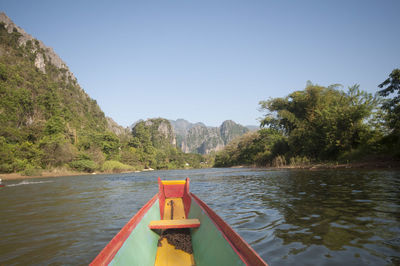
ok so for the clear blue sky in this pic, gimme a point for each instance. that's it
(210, 61)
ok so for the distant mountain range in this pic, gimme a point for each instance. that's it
(199, 138)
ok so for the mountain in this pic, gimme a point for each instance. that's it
(47, 120)
(182, 126)
(157, 131)
(43, 55)
(198, 138)
(41, 85)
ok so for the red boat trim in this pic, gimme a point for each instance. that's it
(109, 251)
(187, 200)
(174, 191)
(161, 197)
(239, 245)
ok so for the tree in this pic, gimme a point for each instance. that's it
(392, 106)
(320, 122)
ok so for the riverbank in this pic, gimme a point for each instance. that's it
(371, 165)
(360, 165)
(58, 173)
(44, 174)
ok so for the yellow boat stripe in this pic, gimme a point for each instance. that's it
(173, 182)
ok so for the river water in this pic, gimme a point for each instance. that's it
(335, 217)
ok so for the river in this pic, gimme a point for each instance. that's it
(335, 217)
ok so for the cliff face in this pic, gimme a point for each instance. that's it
(38, 85)
(47, 120)
(198, 138)
(230, 130)
(43, 55)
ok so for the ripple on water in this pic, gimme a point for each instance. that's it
(289, 217)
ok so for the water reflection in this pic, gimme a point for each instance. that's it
(314, 217)
(302, 217)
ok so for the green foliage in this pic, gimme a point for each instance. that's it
(129, 155)
(392, 107)
(31, 170)
(55, 125)
(116, 167)
(6, 155)
(392, 84)
(299, 161)
(320, 122)
(57, 150)
(279, 161)
(83, 165)
(257, 148)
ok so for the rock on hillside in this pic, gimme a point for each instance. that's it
(116, 128)
(230, 130)
(44, 54)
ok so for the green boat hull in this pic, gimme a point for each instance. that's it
(209, 245)
(214, 242)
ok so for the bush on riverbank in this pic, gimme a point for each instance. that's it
(116, 167)
(84, 165)
(31, 170)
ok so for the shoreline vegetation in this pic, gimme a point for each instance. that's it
(368, 165)
(61, 172)
(346, 129)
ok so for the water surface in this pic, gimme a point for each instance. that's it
(337, 217)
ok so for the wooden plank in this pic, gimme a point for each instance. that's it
(167, 255)
(168, 224)
(178, 209)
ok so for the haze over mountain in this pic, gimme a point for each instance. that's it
(199, 138)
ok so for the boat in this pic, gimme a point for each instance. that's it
(175, 228)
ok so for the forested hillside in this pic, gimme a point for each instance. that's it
(322, 124)
(48, 121)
